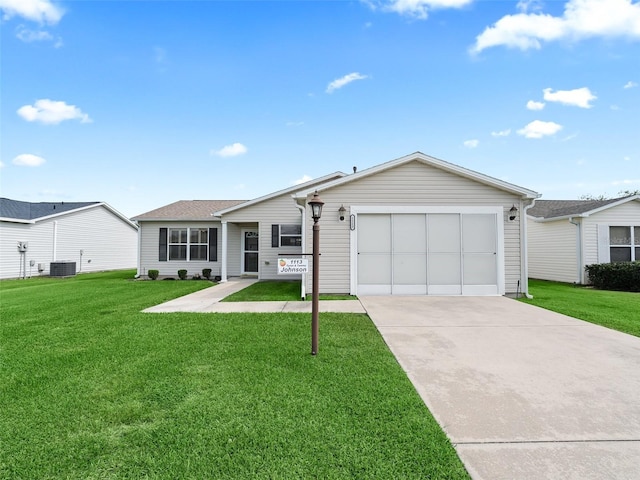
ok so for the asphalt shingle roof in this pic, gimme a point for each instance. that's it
(188, 210)
(31, 211)
(563, 208)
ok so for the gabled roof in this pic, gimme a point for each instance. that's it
(18, 210)
(556, 209)
(426, 159)
(311, 183)
(188, 210)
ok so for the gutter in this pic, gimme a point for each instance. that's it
(139, 266)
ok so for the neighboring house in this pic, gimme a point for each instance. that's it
(92, 235)
(414, 225)
(567, 235)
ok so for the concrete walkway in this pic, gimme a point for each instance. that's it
(208, 300)
(523, 393)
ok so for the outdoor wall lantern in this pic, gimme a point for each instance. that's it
(341, 213)
(513, 212)
(316, 213)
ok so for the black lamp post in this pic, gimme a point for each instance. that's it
(316, 213)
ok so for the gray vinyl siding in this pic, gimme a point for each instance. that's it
(107, 241)
(627, 214)
(553, 250)
(412, 183)
(150, 238)
(278, 210)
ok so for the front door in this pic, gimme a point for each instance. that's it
(249, 251)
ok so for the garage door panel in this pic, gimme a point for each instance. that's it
(444, 233)
(479, 233)
(374, 269)
(480, 269)
(374, 234)
(410, 269)
(409, 234)
(444, 269)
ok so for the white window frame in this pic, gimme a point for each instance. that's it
(635, 242)
(188, 244)
(289, 235)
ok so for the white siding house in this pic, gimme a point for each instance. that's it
(415, 225)
(92, 235)
(567, 235)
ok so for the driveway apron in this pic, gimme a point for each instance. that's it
(522, 392)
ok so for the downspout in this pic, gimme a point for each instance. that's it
(55, 241)
(578, 249)
(223, 270)
(524, 259)
(303, 214)
(139, 266)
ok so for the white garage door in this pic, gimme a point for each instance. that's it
(433, 253)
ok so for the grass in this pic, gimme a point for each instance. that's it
(616, 310)
(91, 388)
(277, 291)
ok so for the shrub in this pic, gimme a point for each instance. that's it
(623, 276)
(153, 274)
(182, 274)
(206, 273)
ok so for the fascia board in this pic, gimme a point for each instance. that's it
(316, 181)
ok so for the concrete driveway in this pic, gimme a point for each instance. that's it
(523, 393)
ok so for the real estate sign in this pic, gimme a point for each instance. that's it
(292, 266)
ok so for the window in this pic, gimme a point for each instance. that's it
(624, 244)
(286, 235)
(177, 244)
(198, 243)
(188, 244)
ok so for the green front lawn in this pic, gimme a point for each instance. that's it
(616, 310)
(92, 388)
(266, 291)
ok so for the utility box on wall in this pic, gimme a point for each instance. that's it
(62, 269)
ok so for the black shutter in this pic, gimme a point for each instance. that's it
(275, 236)
(162, 245)
(213, 244)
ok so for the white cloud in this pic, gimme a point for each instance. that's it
(1, 164)
(471, 143)
(579, 97)
(626, 158)
(416, 8)
(28, 160)
(539, 129)
(294, 124)
(341, 82)
(531, 105)
(581, 19)
(630, 85)
(52, 112)
(303, 179)
(529, 5)
(232, 150)
(41, 11)
(28, 36)
(501, 133)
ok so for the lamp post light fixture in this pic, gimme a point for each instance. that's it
(316, 212)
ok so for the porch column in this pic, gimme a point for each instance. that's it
(223, 272)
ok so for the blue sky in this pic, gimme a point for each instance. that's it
(142, 103)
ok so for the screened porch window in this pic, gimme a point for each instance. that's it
(624, 244)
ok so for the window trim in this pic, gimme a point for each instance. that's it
(632, 246)
(165, 244)
(277, 235)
